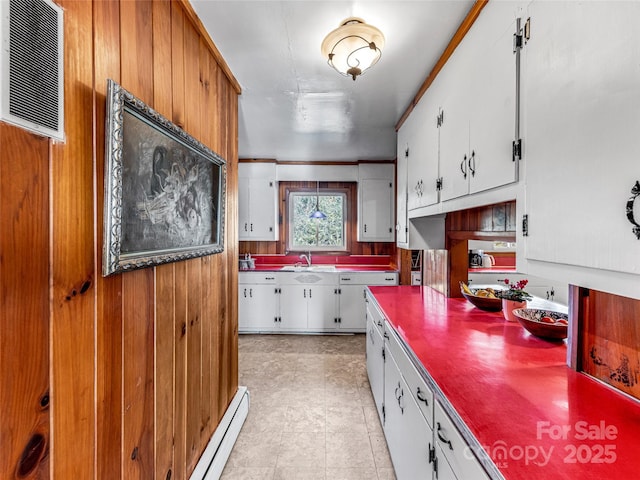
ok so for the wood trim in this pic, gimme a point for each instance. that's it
(475, 235)
(461, 32)
(197, 23)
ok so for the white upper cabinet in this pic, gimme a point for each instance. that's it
(257, 202)
(376, 204)
(581, 87)
(479, 107)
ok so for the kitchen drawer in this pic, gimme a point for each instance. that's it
(455, 448)
(369, 278)
(422, 395)
(257, 278)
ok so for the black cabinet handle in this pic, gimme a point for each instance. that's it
(442, 438)
(421, 397)
(463, 165)
(472, 161)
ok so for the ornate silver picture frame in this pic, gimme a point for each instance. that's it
(164, 197)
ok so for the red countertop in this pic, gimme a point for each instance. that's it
(534, 416)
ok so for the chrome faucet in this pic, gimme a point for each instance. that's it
(307, 257)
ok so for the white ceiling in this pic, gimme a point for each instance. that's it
(293, 105)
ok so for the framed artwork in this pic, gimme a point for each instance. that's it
(164, 197)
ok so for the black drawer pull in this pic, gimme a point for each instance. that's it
(421, 397)
(442, 438)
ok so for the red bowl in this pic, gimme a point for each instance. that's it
(530, 319)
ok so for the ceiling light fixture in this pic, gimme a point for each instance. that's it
(353, 47)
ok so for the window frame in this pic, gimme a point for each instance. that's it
(346, 209)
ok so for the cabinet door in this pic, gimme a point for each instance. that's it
(492, 102)
(322, 308)
(454, 132)
(402, 164)
(409, 437)
(376, 210)
(293, 307)
(244, 220)
(262, 225)
(375, 357)
(352, 308)
(257, 308)
(424, 158)
(582, 110)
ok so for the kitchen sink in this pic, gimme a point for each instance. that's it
(312, 268)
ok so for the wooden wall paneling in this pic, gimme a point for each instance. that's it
(180, 373)
(229, 308)
(165, 274)
(138, 451)
(180, 347)
(24, 317)
(106, 55)
(208, 115)
(72, 260)
(192, 98)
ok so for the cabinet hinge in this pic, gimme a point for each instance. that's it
(384, 355)
(390, 185)
(384, 414)
(439, 184)
(432, 453)
(440, 119)
(516, 150)
(522, 35)
(525, 225)
(406, 153)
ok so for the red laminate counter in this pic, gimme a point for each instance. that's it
(534, 416)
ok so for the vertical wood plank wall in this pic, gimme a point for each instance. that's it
(124, 377)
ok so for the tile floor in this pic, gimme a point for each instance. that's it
(311, 415)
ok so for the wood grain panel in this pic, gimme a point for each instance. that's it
(24, 317)
(609, 338)
(138, 451)
(165, 274)
(72, 259)
(106, 20)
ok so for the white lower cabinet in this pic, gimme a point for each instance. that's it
(352, 294)
(408, 434)
(455, 449)
(274, 302)
(423, 441)
(375, 357)
(257, 302)
(307, 301)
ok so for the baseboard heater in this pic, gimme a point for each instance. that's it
(217, 453)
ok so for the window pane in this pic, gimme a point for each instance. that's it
(317, 234)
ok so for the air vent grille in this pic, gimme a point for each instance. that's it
(33, 62)
(32, 77)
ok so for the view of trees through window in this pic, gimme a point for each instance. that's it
(312, 233)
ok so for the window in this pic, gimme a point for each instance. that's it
(327, 234)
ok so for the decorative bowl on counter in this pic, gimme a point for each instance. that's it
(488, 304)
(543, 323)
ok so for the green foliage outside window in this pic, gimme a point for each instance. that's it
(317, 234)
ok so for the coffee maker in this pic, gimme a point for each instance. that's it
(475, 258)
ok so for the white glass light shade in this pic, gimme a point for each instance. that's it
(353, 47)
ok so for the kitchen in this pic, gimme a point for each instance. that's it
(150, 357)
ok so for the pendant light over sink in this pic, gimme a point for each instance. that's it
(318, 214)
(353, 47)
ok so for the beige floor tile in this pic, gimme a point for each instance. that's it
(351, 474)
(257, 450)
(349, 450)
(312, 415)
(380, 450)
(302, 450)
(345, 419)
(247, 473)
(300, 473)
(303, 418)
